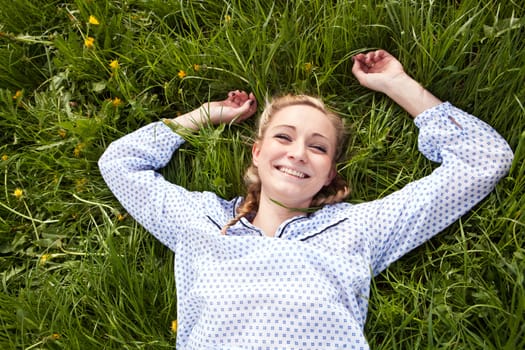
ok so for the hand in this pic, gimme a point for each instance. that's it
(377, 70)
(380, 71)
(237, 107)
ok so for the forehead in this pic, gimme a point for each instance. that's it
(303, 117)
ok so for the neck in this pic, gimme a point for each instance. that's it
(271, 215)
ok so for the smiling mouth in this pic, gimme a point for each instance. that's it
(292, 172)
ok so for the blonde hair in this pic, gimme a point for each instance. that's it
(335, 192)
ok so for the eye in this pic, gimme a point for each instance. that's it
(320, 148)
(283, 137)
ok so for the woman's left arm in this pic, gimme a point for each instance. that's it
(473, 157)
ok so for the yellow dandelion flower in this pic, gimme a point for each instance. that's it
(181, 74)
(89, 42)
(116, 102)
(5, 157)
(80, 184)
(17, 94)
(78, 149)
(308, 67)
(114, 64)
(121, 217)
(44, 258)
(62, 133)
(174, 326)
(55, 336)
(196, 67)
(93, 20)
(18, 193)
(227, 18)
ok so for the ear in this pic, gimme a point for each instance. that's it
(256, 151)
(331, 175)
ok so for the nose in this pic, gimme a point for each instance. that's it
(297, 152)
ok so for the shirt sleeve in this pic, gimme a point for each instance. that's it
(473, 157)
(130, 168)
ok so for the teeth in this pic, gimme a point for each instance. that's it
(293, 172)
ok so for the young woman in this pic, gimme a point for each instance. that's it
(263, 272)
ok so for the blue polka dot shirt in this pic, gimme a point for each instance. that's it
(307, 287)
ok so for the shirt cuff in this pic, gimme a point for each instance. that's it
(424, 117)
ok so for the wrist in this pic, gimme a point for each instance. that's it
(191, 120)
(398, 83)
(410, 94)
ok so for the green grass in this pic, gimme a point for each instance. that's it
(74, 266)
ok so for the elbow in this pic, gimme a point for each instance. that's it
(102, 161)
(498, 164)
(509, 156)
(102, 166)
(505, 160)
(105, 163)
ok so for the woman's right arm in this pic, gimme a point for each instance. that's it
(130, 168)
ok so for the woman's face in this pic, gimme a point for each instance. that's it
(295, 157)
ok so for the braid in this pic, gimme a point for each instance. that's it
(335, 192)
(250, 204)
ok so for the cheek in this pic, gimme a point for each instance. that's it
(324, 162)
(327, 170)
(270, 151)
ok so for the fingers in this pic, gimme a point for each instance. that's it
(253, 103)
(248, 108)
(241, 106)
(237, 97)
(360, 69)
(370, 59)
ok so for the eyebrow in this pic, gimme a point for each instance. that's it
(294, 129)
